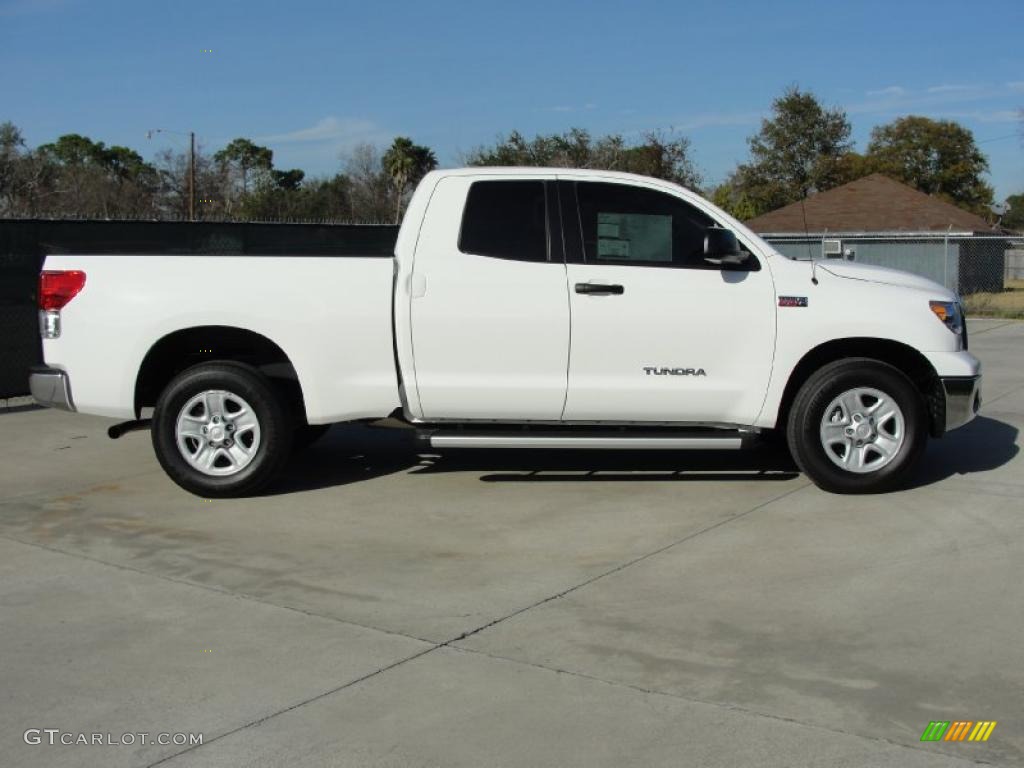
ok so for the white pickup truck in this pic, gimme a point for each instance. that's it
(523, 308)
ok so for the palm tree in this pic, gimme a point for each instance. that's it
(406, 163)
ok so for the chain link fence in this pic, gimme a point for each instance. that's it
(987, 271)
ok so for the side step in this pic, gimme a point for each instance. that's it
(705, 440)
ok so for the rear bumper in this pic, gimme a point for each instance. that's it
(51, 387)
(962, 396)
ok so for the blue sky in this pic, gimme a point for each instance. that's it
(311, 79)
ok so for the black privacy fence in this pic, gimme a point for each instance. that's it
(25, 242)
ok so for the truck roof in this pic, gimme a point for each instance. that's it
(521, 170)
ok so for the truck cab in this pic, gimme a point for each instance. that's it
(591, 299)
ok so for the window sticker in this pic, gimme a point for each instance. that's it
(634, 237)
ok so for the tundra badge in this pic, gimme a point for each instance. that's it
(674, 371)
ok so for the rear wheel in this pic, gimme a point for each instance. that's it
(219, 429)
(857, 426)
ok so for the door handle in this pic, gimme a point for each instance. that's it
(600, 289)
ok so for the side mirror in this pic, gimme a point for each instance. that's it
(723, 249)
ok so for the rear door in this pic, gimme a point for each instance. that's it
(658, 334)
(489, 301)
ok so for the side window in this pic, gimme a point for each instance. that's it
(506, 220)
(632, 225)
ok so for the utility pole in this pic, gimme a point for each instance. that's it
(191, 166)
(192, 176)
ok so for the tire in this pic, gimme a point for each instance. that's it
(236, 411)
(857, 426)
(307, 434)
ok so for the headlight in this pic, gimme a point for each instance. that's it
(949, 313)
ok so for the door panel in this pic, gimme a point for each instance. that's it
(490, 334)
(674, 344)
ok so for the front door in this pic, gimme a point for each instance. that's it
(658, 334)
(489, 302)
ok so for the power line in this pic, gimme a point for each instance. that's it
(999, 138)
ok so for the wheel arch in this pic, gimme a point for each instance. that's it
(186, 347)
(901, 356)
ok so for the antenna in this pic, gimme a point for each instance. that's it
(807, 235)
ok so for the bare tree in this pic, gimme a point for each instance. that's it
(212, 186)
(371, 193)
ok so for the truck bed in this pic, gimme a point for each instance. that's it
(331, 314)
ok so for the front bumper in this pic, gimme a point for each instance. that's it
(51, 387)
(962, 395)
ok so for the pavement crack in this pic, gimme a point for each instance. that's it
(623, 566)
(215, 589)
(296, 705)
(704, 702)
(993, 328)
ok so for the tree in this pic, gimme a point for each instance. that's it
(801, 147)
(406, 163)
(11, 139)
(731, 198)
(212, 186)
(92, 179)
(75, 160)
(27, 178)
(660, 155)
(125, 163)
(938, 157)
(664, 156)
(12, 147)
(314, 199)
(327, 198)
(371, 198)
(76, 176)
(289, 180)
(572, 149)
(1014, 216)
(245, 157)
(72, 149)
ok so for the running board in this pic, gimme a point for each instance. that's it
(730, 441)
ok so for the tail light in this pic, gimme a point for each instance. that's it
(56, 289)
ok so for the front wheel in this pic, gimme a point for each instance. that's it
(220, 429)
(857, 426)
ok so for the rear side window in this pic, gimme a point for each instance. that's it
(506, 220)
(633, 225)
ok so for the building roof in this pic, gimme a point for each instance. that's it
(873, 203)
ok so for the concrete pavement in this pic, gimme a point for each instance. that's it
(382, 608)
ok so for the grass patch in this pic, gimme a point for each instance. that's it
(1007, 303)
